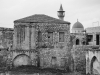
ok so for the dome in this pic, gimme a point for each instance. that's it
(77, 25)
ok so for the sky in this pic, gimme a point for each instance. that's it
(86, 11)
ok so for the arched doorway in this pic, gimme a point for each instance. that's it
(21, 59)
(95, 66)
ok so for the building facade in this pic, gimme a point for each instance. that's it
(42, 41)
(46, 42)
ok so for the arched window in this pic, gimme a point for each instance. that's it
(77, 41)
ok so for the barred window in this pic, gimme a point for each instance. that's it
(39, 36)
(61, 36)
(50, 36)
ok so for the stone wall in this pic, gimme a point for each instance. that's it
(61, 59)
(6, 38)
(93, 60)
(53, 54)
(21, 36)
(29, 38)
(79, 56)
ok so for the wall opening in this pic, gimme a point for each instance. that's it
(77, 41)
(50, 36)
(97, 39)
(21, 59)
(39, 36)
(89, 39)
(53, 61)
(92, 62)
(61, 36)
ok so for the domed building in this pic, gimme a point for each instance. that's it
(77, 27)
(78, 32)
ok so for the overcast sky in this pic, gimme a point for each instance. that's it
(86, 11)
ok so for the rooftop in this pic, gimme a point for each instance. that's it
(41, 18)
(93, 29)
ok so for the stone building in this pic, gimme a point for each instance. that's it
(46, 42)
(78, 47)
(86, 48)
(42, 41)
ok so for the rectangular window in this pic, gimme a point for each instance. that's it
(39, 36)
(61, 36)
(50, 36)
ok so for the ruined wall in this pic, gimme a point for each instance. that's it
(6, 41)
(79, 56)
(24, 36)
(55, 54)
(6, 38)
(52, 54)
(93, 60)
(21, 36)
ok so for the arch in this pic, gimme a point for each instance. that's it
(77, 41)
(21, 59)
(91, 65)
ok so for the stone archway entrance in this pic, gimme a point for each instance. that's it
(95, 66)
(21, 59)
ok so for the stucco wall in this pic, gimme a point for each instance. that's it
(89, 56)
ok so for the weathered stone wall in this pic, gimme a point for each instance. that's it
(55, 54)
(59, 51)
(14, 53)
(21, 36)
(93, 54)
(79, 56)
(6, 38)
(55, 28)
(62, 61)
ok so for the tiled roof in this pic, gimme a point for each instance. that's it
(40, 18)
